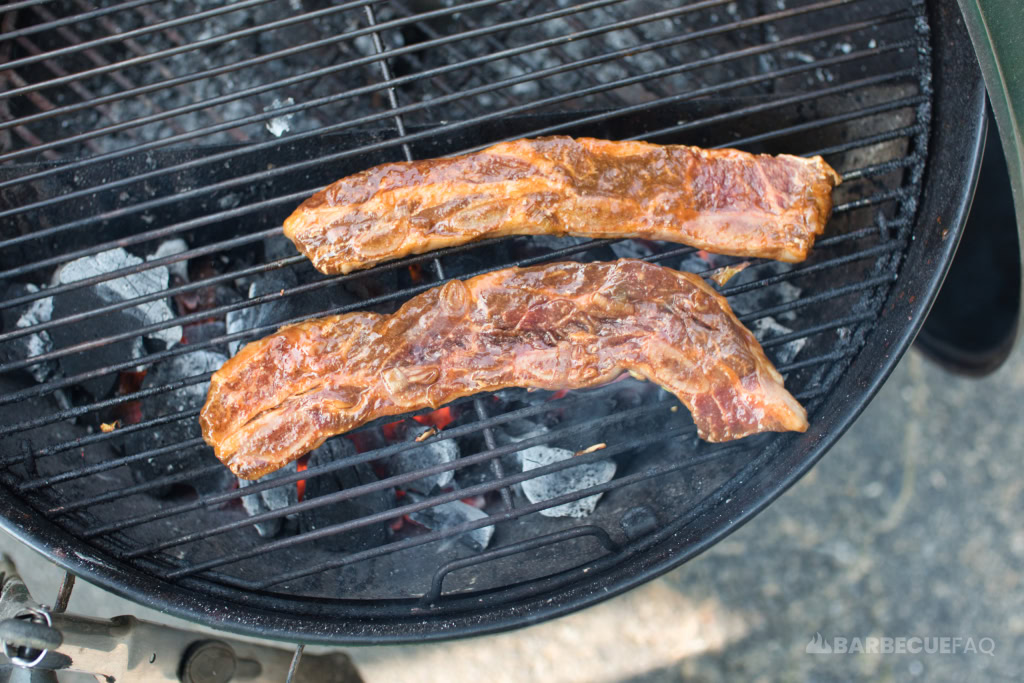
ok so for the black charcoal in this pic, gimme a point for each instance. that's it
(360, 538)
(268, 500)
(198, 333)
(518, 430)
(126, 287)
(276, 311)
(114, 323)
(761, 298)
(277, 248)
(184, 399)
(419, 458)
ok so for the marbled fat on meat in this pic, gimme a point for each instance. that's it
(724, 201)
(556, 326)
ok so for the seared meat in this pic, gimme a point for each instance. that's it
(557, 326)
(724, 201)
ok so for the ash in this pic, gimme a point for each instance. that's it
(280, 125)
(35, 344)
(569, 480)
(768, 328)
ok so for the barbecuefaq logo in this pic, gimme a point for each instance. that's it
(900, 645)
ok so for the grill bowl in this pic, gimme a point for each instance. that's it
(891, 96)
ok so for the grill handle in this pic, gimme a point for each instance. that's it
(602, 537)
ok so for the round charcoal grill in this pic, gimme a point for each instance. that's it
(149, 152)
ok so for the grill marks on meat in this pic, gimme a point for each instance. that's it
(724, 201)
(557, 326)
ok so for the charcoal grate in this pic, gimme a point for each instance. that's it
(180, 140)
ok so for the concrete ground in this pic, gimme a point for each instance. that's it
(910, 528)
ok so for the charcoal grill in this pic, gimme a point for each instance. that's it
(128, 125)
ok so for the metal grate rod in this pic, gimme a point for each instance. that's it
(378, 46)
(70, 19)
(188, 348)
(200, 315)
(488, 455)
(317, 73)
(108, 496)
(480, 489)
(114, 463)
(20, 5)
(219, 216)
(107, 40)
(497, 518)
(536, 75)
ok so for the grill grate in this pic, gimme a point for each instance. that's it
(126, 125)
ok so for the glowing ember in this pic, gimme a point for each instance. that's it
(300, 485)
(440, 418)
(390, 431)
(129, 412)
(558, 394)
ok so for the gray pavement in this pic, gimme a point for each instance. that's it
(909, 528)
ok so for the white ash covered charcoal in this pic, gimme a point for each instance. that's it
(450, 515)
(562, 482)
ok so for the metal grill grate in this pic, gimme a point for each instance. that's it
(126, 125)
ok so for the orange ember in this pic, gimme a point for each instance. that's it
(129, 412)
(440, 418)
(558, 394)
(300, 485)
(416, 273)
(390, 430)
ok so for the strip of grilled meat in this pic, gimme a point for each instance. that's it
(724, 201)
(556, 326)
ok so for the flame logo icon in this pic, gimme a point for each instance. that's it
(818, 646)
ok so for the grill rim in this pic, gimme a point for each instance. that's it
(956, 141)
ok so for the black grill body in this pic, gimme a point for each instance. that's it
(124, 129)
